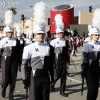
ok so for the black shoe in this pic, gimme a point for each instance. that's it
(3, 94)
(11, 98)
(64, 94)
(52, 88)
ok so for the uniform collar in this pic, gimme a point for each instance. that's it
(20, 39)
(38, 43)
(9, 38)
(60, 38)
(94, 42)
(89, 38)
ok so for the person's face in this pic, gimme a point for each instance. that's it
(23, 37)
(9, 34)
(60, 35)
(66, 38)
(27, 36)
(30, 38)
(19, 37)
(95, 37)
(40, 37)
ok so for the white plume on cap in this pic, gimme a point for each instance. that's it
(4, 30)
(72, 32)
(30, 33)
(18, 29)
(59, 21)
(96, 19)
(89, 27)
(40, 13)
(68, 30)
(9, 18)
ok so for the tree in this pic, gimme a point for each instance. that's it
(13, 10)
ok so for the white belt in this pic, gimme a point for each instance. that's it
(33, 71)
(57, 55)
(5, 57)
(42, 59)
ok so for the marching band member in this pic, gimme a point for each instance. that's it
(91, 57)
(9, 51)
(88, 39)
(22, 42)
(61, 54)
(30, 38)
(90, 64)
(40, 54)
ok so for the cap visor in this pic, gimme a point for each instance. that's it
(39, 32)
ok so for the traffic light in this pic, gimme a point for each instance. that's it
(22, 17)
(90, 9)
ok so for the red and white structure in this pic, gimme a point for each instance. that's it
(67, 11)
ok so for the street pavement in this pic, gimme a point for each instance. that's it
(73, 84)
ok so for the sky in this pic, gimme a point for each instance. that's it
(23, 6)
